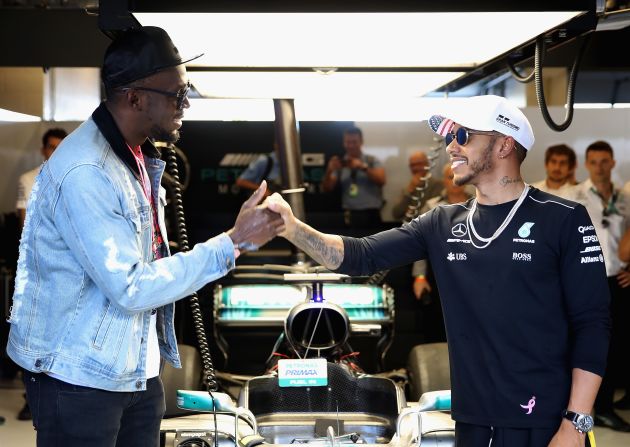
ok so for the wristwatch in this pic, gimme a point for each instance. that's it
(583, 422)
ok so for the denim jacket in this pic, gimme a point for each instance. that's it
(86, 281)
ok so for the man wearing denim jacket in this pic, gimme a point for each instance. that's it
(93, 305)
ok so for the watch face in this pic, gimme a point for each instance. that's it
(584, 423)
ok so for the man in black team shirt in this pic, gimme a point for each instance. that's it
(521, 278)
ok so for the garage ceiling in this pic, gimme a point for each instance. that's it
(69, 36)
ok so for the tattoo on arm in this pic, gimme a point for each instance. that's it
(327, 249)
(506, 180)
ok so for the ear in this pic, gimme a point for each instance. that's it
(133, 99)
(507, 147)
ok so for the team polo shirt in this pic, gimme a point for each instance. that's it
(519, 314)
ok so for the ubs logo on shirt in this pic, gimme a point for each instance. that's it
(456, 256)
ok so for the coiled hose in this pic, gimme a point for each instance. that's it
(540, 93)
(209, 377)
(413, 210)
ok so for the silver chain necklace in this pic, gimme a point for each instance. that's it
(506, 221)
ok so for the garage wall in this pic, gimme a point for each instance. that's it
(390, 142)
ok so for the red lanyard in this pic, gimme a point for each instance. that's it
(146, 187)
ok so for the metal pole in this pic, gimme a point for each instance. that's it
(290, 156)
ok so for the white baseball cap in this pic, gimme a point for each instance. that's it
(488, 113)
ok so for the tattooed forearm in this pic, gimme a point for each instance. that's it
(327, 249)
(507, 180)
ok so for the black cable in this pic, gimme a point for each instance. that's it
(204, 349)
(519, 77)
(540, 94)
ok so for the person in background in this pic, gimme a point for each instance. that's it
(93, 308)
(419, 167)
(50, 141)
(361, 178)
(609, 209)
(266, 167)
(526, 313)
(560, 163)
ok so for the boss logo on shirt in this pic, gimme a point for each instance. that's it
(522, 257)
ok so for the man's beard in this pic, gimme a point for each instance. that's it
(160, 134)
(478, 166)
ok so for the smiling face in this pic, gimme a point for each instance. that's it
(470, 162)
(449, 185)
(161, 113)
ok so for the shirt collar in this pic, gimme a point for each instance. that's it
(106, 124)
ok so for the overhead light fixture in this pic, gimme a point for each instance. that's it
(592, 105)
(438, 40)
(229, 110)
(311, 84)
(16, 117)
(380, 109)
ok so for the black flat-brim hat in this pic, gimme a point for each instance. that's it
(138, 53)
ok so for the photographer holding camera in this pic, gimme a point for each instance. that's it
(361, 178)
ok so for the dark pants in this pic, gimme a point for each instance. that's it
(469, 435)
(72, 415)
(617, 371)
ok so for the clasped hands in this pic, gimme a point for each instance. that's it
(257, 223)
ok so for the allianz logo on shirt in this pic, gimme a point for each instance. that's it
(524, 232)
(589, 259)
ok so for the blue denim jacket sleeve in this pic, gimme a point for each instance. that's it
(91, 219)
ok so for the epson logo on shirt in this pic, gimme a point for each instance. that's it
(522, 257)
(589, 239)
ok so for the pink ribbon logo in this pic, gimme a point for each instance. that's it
(530, 405)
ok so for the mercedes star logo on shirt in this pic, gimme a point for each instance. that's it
(459, 230)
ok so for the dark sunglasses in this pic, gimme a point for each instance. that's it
(462, 135)
(180, 95)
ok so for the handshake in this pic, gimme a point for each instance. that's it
(257, 223)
